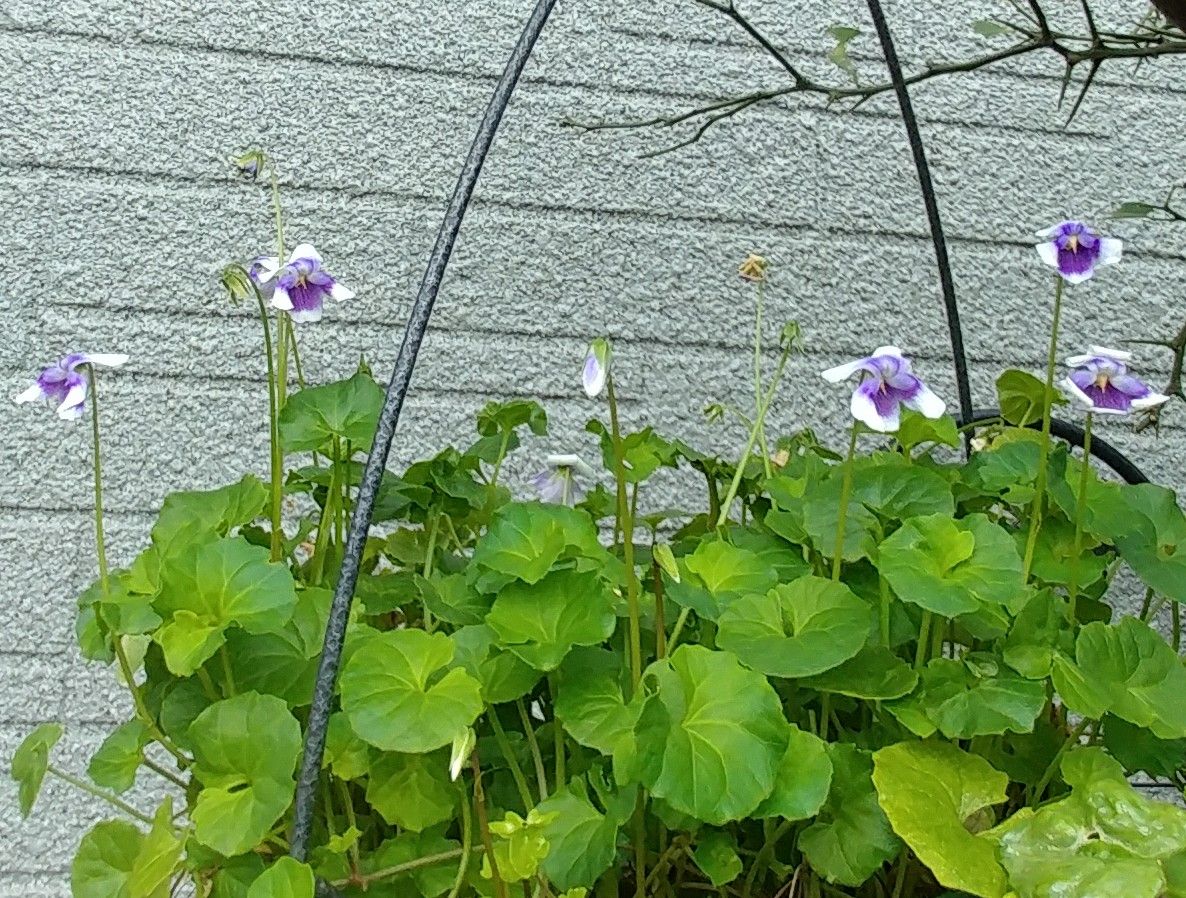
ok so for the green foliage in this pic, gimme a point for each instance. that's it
(906, 723)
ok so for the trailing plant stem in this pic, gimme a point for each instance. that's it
(842, 511)
(504, 746)
(83, 785)
(533, 744)
(1040, 486)
(627, 519)
(467, 837)
(277, 457)
(1080, 509)
(924, 639)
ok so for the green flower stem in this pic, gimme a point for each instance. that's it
(467, 838)
(761, 423)
(765, 856)
(1080, 510)
(1071, 741)
(639, 822)
(429, 860)
(500, 887)
(533, 745)
(660, 612)
(228, 676)
(283, 324)
(164, 772)
(678, 630)
(825, 713)
(1176, 625)
(502, 454)
(1147, 604)
(121, 655)
(296, 357)
(884, 608)
(351, 819)
(429, 560)
(504, 746)
(277, 457)
(207, 684)
(759, 419)
(324, 522)
(557, 737)
(627, 519)
(924, 641)
(842, 510)
(84, 786)
(1036, 511)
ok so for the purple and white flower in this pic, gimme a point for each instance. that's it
(557, 483)
(301, 285)
(886, 385)
(1101, 383)
(262, 270)
(65, 386)
(596, 370)
(1076, 250)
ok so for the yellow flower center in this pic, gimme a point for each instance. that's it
(1073, 243)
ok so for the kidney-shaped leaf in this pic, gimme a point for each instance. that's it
(541, 621)
(803, 780)
(962, 703)
(796, 629)
(704, 713)
(717, 574)
(951, 566)
(1156, 546)
(400, 696)
(590, 701)
(504, 676)
(929, 791)
(115, 764)
(347, 409)
(411, 791)
(30, 762)
(287, 878)
(104, 861)
(581, 840)
(874, 672)
(245, 750)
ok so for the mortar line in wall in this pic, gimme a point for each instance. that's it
(558, 83)
(747, 224)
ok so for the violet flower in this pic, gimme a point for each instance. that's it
(65, 386)
(1075, 249)
(596, 370)
(887, 384)
(262, 270)
(301, 285)
(1102, 384)
(557, 483)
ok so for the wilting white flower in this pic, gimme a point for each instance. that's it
(557, 483)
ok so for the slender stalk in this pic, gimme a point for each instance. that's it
(1176, 625)
(324, 522)
(639, 827)
(765, 856)
(296, 358)
(500, 887)
(277, 457)
(842, 511)
(429, 560)
(228, 675)
(678, 630)
(884, 609)
(502, 454)
(1080, 509)
(82, 784)
(429, 860)
(632, 587)
(758, 310)
(504, 746)
(1036, 511)
(558, 738)
(1147, 604)
(467, 837)
(351, 819)
(924, 640)
(660, 612)
(825, 714)
(164, 772)
(533, 745)
(1071, 741)
(283, 321)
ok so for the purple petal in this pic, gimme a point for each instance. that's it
(877, 406)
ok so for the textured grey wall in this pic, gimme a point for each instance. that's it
(117, 116)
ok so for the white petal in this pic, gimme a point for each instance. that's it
(1079, 277)
(340, 292)
(71, 406)
(865, 411)
(593, 376)
(31, 395)
(888, 350)
(1049, 232)
(843, 372)
(1075, 393)
(266, 268)
(1110, 250)
(928, 403)
(1118, 354)
(537, 710)
(564, 461)
(1048, 253)
(281, 299)
(305, 316)
(106, 359)
(304, 251)
(1151, 401)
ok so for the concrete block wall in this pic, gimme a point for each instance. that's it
(119, 209)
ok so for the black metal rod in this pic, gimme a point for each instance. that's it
(397, 389)
(1075, 436)
(958, 353)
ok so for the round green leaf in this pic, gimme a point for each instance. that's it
(412, 791)
(929, 790)
(796, 629)
(962, 703)
(1154, 542)
(30, 762)
(115, 764)
(950, 566)
(245, 749)
(716, 856)
(504, 676)
(896, 491)
(703, 713)
(540, 622)
(851, 838)
(399, 695)
(158, 857)
(803, 780)
(581, 840)
(207, 588)
(520, 543)
(721, 572)
(874, 673)
(346, 409)
(287, 878)
(590, 702)
(104, 862)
